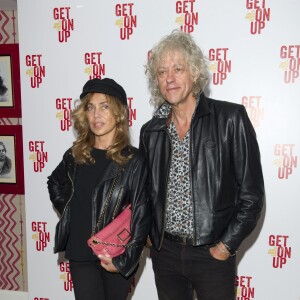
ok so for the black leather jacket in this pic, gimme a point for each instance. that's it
(131, 187)
(226, 175)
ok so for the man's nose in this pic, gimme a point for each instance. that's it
(170, 76)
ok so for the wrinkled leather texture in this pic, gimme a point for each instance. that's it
(226, 175)
(131, 188)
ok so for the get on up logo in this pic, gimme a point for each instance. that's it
(258, 15)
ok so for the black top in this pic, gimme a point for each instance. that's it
(87, 176)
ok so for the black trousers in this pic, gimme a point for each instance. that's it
(181, 269)
(92, 282)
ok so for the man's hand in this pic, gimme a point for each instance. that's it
(106, 263)
(219, 252)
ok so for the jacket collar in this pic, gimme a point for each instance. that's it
(161, 117)
(202, 109)
(111, 171)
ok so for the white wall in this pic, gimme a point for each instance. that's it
(11, 295)
(257, 40)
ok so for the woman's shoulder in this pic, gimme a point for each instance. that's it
(135, 153)
(134, 150)
(68, 156)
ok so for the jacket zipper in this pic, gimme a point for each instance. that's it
(69, 197)
(191, 179)
(116, 208)
(107, 198)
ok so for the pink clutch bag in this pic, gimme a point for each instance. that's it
(113, 238)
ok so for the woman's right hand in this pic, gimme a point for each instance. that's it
(106, 263)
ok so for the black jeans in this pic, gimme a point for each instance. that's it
(92, 282)
(181, 269)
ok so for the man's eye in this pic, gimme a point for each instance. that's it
(104, 106)
(89, 108)
(161, 72)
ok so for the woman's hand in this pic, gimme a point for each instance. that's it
(106, 263)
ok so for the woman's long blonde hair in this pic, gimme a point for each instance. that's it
(85, 141)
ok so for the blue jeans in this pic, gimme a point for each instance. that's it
(181, 269)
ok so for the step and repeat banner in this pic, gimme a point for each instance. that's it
(253, 53)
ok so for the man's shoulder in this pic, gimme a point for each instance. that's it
(147, 123)
(223, 103)
(154, 124)
(158, 120)
(224, 106)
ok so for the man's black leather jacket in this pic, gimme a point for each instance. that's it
(131, 187)
(225, 171)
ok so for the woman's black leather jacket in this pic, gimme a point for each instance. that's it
(131, 187)
(225, 172)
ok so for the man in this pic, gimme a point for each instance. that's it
(5, 162)
(206, 185)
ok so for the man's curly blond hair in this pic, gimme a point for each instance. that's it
(185, 44)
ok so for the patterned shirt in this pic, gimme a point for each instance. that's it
(179, 212)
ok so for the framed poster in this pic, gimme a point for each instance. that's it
(11, 160)
(10, 89)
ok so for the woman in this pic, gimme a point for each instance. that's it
(100, 158)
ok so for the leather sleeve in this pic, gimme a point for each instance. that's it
(248, 173)
(128, 262)
(58, 184)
